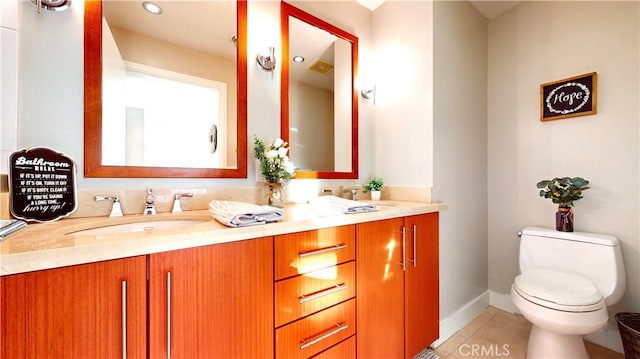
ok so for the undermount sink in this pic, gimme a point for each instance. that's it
(144, 226)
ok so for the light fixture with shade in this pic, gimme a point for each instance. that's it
(267, 62)
(53, 5)
(152, 7)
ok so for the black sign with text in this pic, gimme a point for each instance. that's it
(42, 184)
(571, 97)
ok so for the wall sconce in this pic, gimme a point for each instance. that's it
(267, 62)
(369, 94)
(54, 5)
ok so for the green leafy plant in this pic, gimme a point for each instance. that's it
(374, 185)
(275, 165)
(563, 190)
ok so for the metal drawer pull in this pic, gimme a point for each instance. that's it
(322, 250)
(415, 247)
(303, 298)
(168, 315)
(404, 249)
(307, 343)
(124, 319)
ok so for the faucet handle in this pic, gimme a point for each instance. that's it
(116, 210)
(177, 207)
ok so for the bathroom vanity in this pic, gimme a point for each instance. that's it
(291, 289)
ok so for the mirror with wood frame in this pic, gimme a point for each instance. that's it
(165, 95)
(319, 102)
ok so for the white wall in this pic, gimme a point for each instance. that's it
(9, 82)
(460, 153)
(404, 93)
(538, 42)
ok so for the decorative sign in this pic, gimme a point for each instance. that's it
(42, 185)
(575, 96)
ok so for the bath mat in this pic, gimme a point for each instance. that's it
(427, 354)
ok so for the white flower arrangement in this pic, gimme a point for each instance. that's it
(275, 165)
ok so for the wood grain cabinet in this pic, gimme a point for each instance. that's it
(397, 276)
(206, 302)
(212, 302)
(315, 288)
(86, 311)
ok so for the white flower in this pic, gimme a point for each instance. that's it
(282, 152)
(289, 167)
(277, 143)
(272, 154)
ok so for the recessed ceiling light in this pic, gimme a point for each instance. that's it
(298, 59)
(152, 8)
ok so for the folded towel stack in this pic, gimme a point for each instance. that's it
(338, 205)
(239, 214)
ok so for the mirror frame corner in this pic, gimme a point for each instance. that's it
(93, 167)
(287, 10)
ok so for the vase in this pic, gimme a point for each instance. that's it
(564, 219)
(375, 195)
(273, 194)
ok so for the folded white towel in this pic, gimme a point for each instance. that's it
(238, 214)
(338, 205)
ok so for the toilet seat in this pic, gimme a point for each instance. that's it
(558, 290)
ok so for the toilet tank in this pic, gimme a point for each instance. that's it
(597, 257)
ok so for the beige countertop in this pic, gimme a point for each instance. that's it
(51, 245)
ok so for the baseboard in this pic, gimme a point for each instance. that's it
(450, 325)
(608, 337)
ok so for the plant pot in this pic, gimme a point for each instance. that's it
(564, 219)
(375, 195)
(273, 194)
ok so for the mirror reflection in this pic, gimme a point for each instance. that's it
(171, 90)
(319, 105)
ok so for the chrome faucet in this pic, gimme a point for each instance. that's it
(354, 193)
(177, 208)
(149, 207)
(326, 191)
(116, 210)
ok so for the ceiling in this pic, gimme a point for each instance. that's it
(489, 8)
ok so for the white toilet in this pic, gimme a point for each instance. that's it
(567, 281)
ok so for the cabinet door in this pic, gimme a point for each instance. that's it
(380, 289)
(93, 310)
(212, 302)
(421, 283)
(13, 316)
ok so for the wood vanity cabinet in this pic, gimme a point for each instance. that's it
(315, 288)
(397, 290)
(213, 301)
(83, 311)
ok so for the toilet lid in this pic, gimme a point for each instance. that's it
(562, 289)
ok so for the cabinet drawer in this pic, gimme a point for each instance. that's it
(302, 295)
(304, 252)
(315, 333)
(344, 350)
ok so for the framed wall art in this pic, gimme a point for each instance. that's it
(570, 97)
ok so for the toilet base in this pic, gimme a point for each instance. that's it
(544, 344)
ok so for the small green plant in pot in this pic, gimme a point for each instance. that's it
(374, 186)
(563, 191)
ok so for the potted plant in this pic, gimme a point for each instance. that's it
(563, 191)
(374, 186)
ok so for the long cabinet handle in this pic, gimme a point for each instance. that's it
(168, 315)
(322, 250)
(124, 319)
(404, 249)
(307, 342)
(321, 293)
(415, 247)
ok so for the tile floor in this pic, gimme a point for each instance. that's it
(497, 334)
